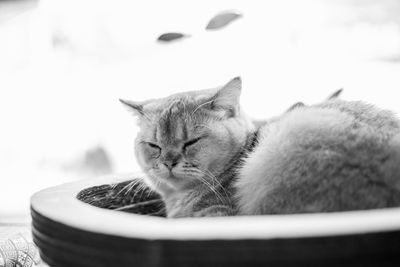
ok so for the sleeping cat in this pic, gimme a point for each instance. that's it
(206, 157)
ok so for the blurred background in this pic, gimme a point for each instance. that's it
(65, 63)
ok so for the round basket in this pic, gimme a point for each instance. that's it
(82, 224)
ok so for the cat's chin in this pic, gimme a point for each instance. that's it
(166, 183)
(174, 180)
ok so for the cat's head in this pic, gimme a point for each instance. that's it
(189, 138)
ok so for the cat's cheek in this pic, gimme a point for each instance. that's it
(206, 157)
(192, 152)
(215, 156)
(150, 153)
(146, 159)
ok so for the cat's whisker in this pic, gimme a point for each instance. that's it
(148, 192)
(129, 185)
(219, 196)
(130, 188)
(209, 186)
(140, 188)
(123, 188)
(138, 183)
(214, 179)
(113, 186)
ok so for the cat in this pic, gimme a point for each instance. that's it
(205, 157)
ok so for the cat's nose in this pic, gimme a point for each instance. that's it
(171, 160)
(170, 164)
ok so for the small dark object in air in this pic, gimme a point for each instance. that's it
(170, 36)
(222, 20)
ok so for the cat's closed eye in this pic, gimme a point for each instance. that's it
(191, 142)
(156, 150)
(153, 145)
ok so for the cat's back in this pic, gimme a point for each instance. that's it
(333, 156)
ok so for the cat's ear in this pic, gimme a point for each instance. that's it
(336, 94)
(135, 107)
(228, 97)
(296, 105)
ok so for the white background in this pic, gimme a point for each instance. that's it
(65, 63)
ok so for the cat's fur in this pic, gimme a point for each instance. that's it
(333, 156)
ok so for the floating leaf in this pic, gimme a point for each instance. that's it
(222, 19)
(170, 36)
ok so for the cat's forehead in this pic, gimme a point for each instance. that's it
(176, 121)
(177, 117)
(173, 128)
(189, 98)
